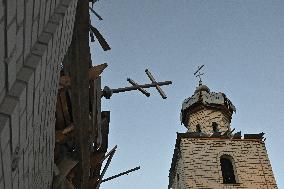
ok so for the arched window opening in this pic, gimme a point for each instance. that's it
(198, 128)
(227, 170)
(215, 127)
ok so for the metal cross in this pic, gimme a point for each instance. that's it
(199, 74)
(107, 92)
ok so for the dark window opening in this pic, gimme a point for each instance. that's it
(215, 127)
(227, 170)
(198, 128)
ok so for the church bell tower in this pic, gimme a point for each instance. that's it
(210, 154)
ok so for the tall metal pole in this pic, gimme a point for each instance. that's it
(80, 91)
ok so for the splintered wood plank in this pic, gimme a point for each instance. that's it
(105, 169)
(98, 155)
(96, 71)
(59, 124)
(100, 38)
(97, 112)
(62, 113)
(105, 130)
(63, 100)
(65, 134)
(94, 181)
(95, 161)
(93, 73)
(64, 81)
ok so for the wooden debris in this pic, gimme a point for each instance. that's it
(63, 135)
(120, 174)
(79, 66)
(95, 13)
(105, 168)
(65, 166)
(100, 38)
(94, 73)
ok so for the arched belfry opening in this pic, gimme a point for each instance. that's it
(198, 128)
(215, 127)
(227, 168)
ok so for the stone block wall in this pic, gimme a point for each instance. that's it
(198, 165)
(205, 117)
(34, 37)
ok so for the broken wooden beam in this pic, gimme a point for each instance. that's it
(105, 168)
(79, 67)
(95, 13)
(100, 38)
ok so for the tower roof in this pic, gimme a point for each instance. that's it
(202, 88)
(203, 96)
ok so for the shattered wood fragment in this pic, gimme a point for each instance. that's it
(68, 129)
(254, 136)
(64, 166)
(94, 73)
(95, 161)
(68, 185)
(96, 114)
(92, 36)
(64, 81)
(100, 38)
(63, 117)
(105, 168)
(94, 181)
(105, 130)
(121, 174)
(109, 153)
(65, 134)
(95, 13)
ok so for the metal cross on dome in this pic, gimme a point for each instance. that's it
(199, 74)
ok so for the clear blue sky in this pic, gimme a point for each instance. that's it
(241, 44)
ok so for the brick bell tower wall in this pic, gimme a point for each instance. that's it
(198, 164)
(205, 117)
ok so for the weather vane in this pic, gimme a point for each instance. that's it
(199, 74)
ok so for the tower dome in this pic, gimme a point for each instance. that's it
(204, 109)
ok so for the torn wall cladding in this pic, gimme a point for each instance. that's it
(35, 36)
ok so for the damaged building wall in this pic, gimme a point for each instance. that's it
(35, 35)
(199, 164)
